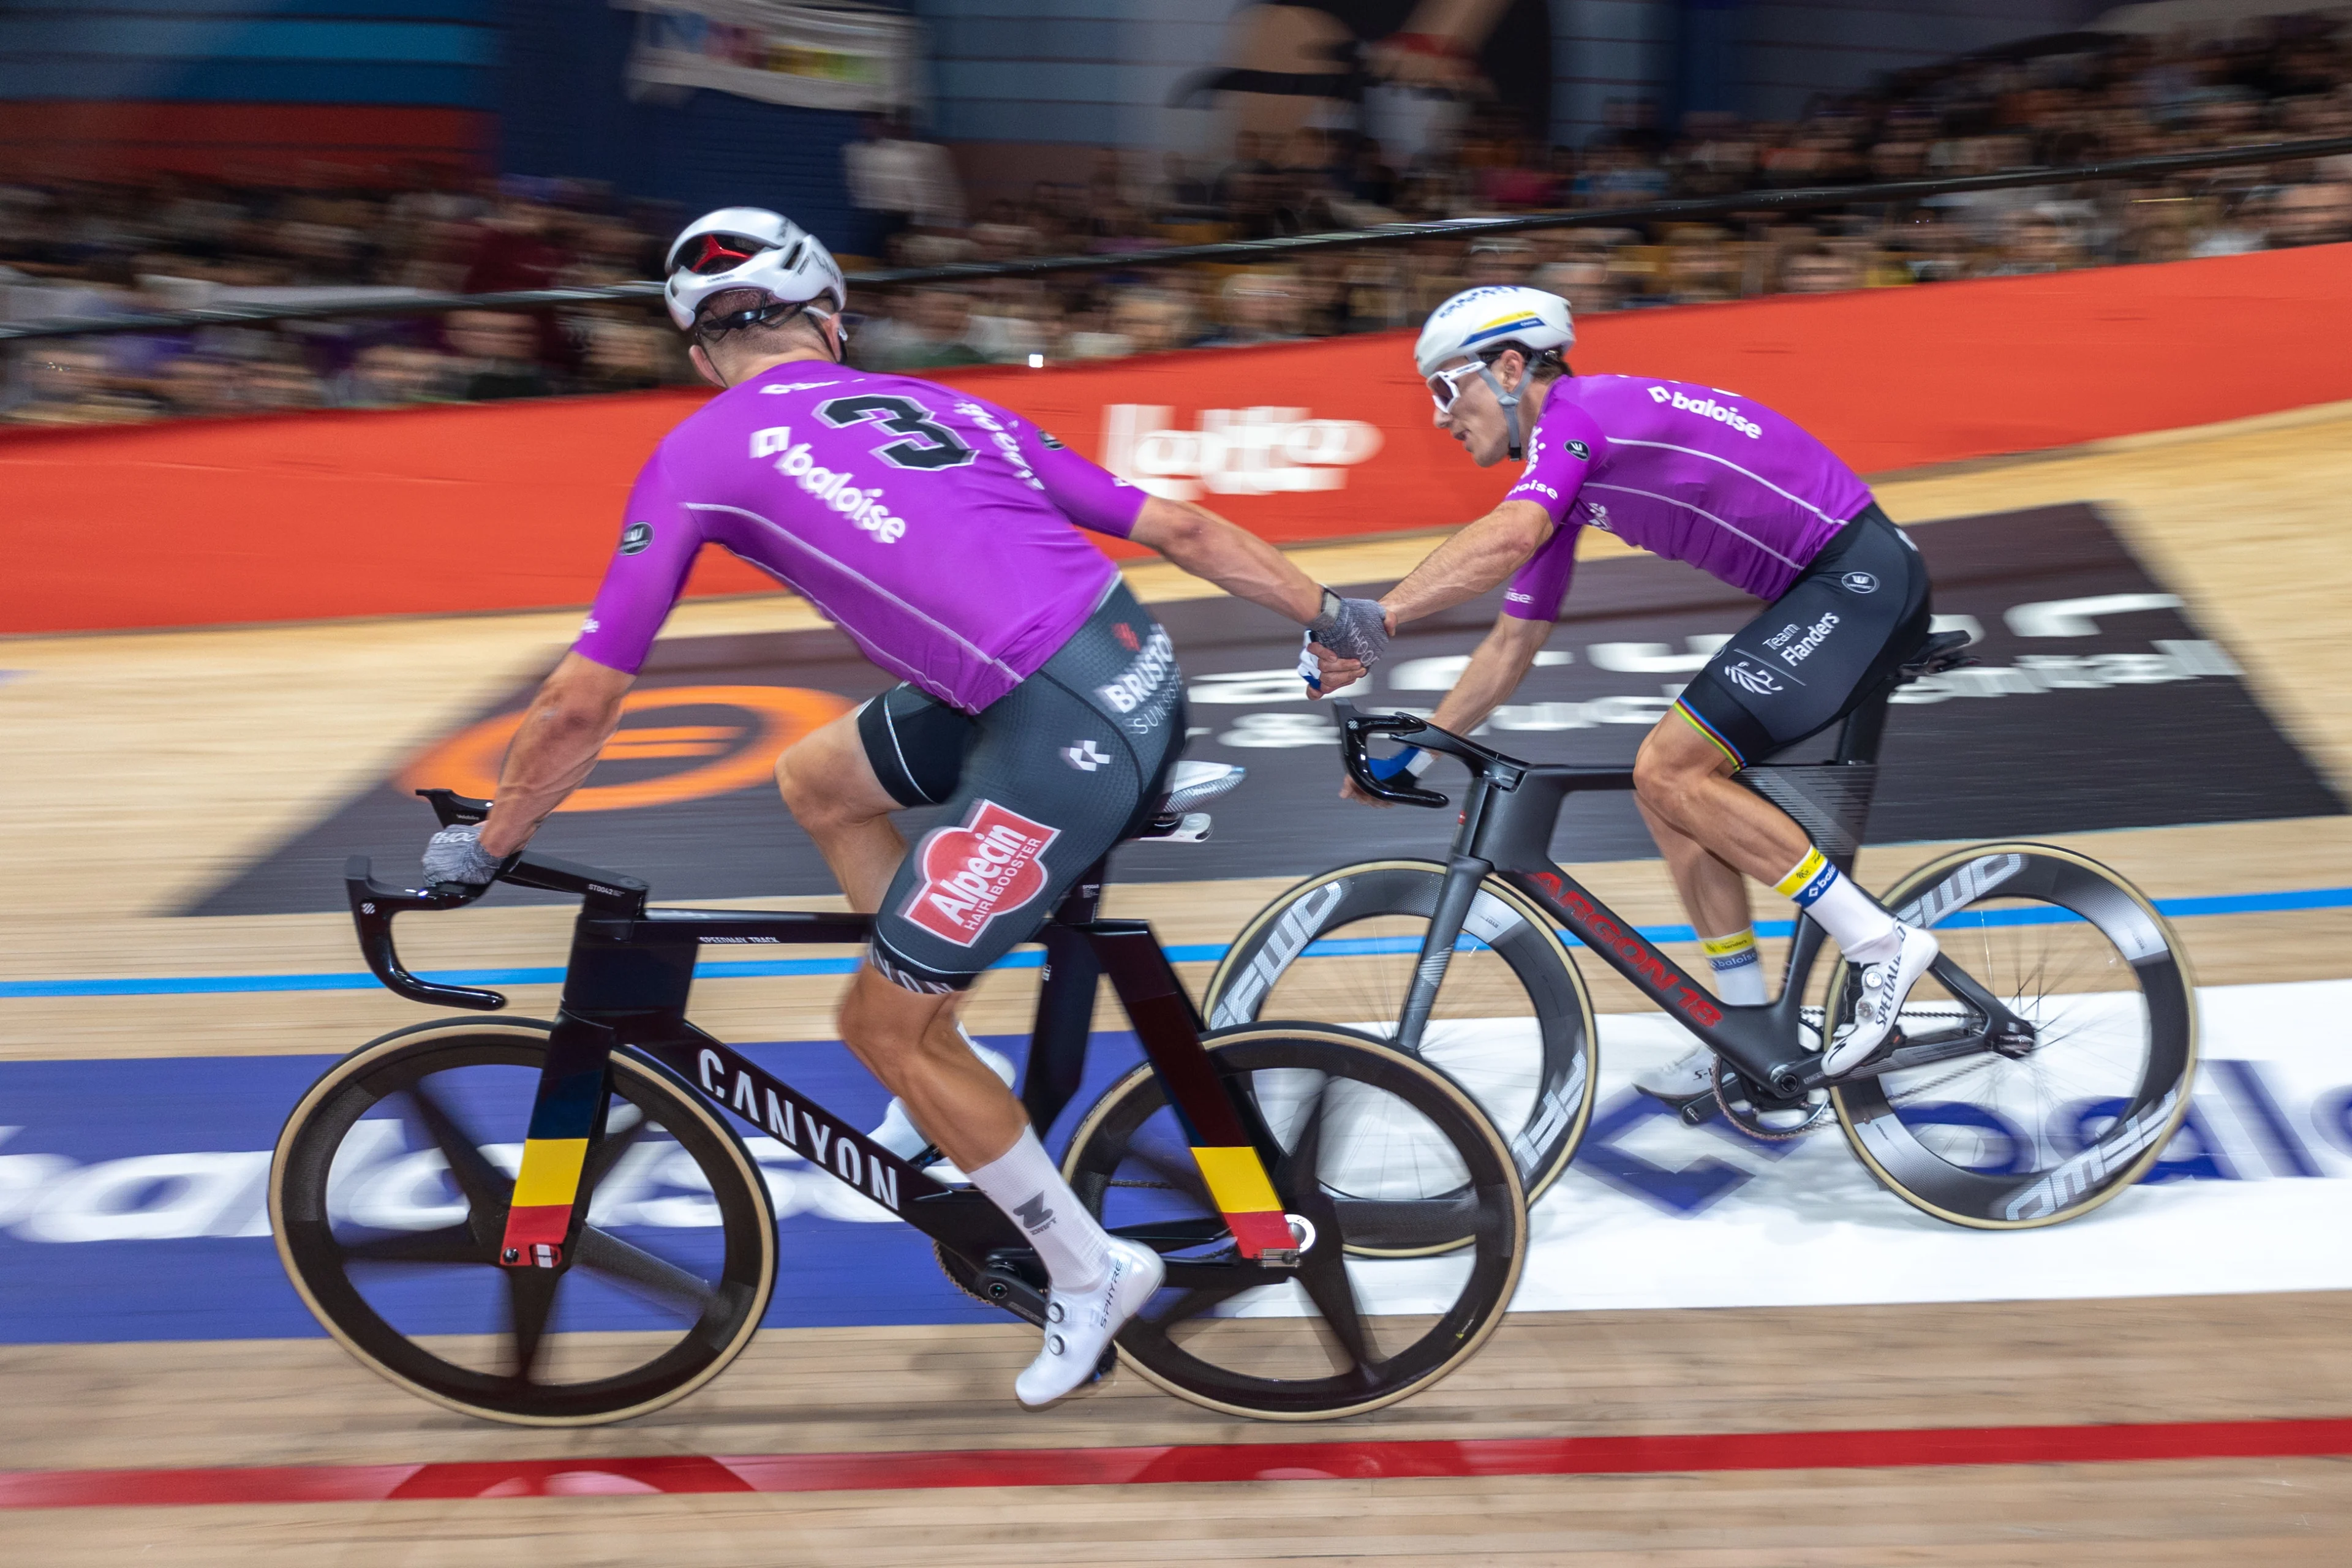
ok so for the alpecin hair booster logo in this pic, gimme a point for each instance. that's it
(988, 867)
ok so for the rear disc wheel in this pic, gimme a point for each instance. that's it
(2051, 1129)
(1381, 1163)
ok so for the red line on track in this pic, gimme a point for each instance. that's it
(898, 1471)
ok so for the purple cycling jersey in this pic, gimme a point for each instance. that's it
(931, 525)
(1687, 472)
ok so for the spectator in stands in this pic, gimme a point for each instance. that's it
(2038, 240)
(1501, 259)
(1150, 321)
(280, 386)
(1259, 307)
(197, 387)
(2311, 214)
(499, 353)
(901, 183)
(385, 375)
(1818, 268)
(71, 383)
(934, 334)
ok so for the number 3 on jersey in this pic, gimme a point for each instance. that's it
(927, 446)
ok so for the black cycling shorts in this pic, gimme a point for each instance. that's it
(1818, 650)
(1038, 786)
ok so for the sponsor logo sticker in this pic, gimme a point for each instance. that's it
(1579, 451)
(1753, 679)
(1708, 408)
(988, 866)
(1858, 582)
(635, 537)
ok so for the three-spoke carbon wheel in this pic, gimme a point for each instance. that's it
(1406, 1205)
(2056, 1122)
(1513, 1025)
(389, 1195)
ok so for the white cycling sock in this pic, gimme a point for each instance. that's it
(1857, 922)
(1023, 1183)
(1739, 967)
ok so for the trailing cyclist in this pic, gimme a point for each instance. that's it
(1718, 480)
(1041, 704)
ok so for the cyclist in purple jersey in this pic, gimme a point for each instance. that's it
(1040, 704)
(1707, 477)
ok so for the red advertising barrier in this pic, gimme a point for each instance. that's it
(514, 505)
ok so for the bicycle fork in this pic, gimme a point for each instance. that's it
(1463, 876)
(567, 1117)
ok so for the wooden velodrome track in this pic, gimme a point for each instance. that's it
(140, 766)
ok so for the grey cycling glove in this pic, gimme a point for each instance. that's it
(455, 855)
(1355, 629)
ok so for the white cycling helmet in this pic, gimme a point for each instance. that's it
(1479, 323)
(748, 248)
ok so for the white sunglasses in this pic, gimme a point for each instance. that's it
(1445, 386)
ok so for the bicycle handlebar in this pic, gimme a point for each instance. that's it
(1355, 727)
(373, 903)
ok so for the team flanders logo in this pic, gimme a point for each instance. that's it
(988, 867)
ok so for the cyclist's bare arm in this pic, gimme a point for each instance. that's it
(1495, 672)
(1475, 559)
(1234, 559)
(575, 712)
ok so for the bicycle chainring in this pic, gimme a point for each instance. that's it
(1736, 1098)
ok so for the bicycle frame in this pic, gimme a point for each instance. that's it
(625, 988)
(1507, 816)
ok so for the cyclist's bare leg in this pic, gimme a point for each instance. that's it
(1680, 779)
(908, 1040)
(1713, 894)
(1685, 778)
(831, 791)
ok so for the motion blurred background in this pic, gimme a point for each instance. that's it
(168, 154)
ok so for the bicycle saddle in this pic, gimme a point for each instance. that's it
(1940, 652)
(1191, 784)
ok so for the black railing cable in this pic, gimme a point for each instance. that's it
(1229, 250)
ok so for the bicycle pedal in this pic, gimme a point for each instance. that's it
(1693, 1111)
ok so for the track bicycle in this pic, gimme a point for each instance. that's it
(1340, 1224)
(2039, 1068)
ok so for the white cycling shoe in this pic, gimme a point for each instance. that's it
(1885, 985)
(898, 1135)
(1079, 1325)
(1685, 1079)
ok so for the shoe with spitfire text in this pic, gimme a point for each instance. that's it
(1080, 1324)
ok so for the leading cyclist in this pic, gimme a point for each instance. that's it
(1041, 706)
(1737, 490)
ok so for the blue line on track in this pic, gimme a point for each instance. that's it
(1192, 953)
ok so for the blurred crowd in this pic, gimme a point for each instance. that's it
(2045, 104)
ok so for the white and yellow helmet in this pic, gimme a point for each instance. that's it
(1478, 322)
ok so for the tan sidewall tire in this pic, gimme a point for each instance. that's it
(1540, 1182)
(1445, 1087)
(533, 1032)
(1927, 875)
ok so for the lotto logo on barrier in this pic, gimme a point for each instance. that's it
(971, 874)
(1233, 451)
